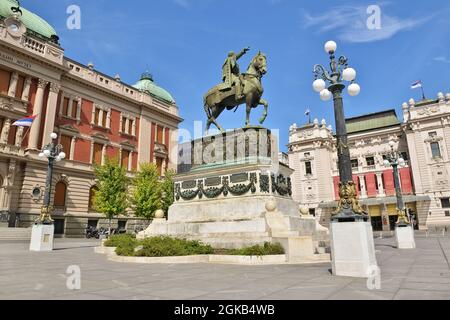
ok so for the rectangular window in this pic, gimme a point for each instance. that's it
(105, 115)
(74, 109)
(312, 212)
(5, 78)
(435, 150)
(20, 86)
(445, 202)
(97, 154)
(124, 125)
(354, 163)
(370, 161)
(97, 116)
(125, 158)
(66, 142)
(130, 127)
(308, 168)
(65, 106)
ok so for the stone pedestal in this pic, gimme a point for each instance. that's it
(352, 249)
(297, 248)
(42, 237)
(236, 194)
(405, 237)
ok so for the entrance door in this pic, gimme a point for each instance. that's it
(59, 226)
(377, 223)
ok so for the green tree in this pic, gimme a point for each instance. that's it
(146, 196)
(111, 196)
(167, 191)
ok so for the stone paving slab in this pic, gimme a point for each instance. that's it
(422, 273)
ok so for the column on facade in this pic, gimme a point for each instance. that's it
(8, 184)
(78, 109)
(144, 140)
(13, 84)
(108, 119)
(380, 185)
(26, 89)
(19, 137)
(69, 107)
(37, 111)
(5, 131)
(362, 183)
(130, 161)
(127, 125)
(103, 154)
(49, 125)
(72, 147)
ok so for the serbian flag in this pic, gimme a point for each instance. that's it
(417, 84)
(25, 122)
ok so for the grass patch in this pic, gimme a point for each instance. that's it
(164, 246)
(257, 250)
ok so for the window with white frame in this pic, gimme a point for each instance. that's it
(101, 116)
(128, 125)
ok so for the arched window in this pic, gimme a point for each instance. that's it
(60, 195)
(92, 192)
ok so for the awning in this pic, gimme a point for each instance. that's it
(378, 201)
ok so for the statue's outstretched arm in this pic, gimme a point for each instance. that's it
(240, 54)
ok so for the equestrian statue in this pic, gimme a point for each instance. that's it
(237, 89)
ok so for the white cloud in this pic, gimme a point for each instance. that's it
(350, 24)
(442, 59)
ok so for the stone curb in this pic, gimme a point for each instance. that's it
(212, 258)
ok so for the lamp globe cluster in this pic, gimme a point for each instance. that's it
(47, 152)
(348, 74)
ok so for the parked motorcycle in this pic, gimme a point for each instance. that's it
(92, 232)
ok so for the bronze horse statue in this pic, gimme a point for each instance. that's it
(219, 98)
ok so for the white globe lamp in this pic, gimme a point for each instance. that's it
(354, 89)
(53, 136)
(62, 155)
(330, 47)
(319, 85)
(349, 74)
(325, 95)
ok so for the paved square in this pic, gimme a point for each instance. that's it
(423, 273)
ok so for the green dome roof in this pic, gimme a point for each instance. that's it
(32, 21)
(147, 85)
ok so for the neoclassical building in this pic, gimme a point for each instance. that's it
(95, 116)
(423, 139)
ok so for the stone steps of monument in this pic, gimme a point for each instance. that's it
(15, 234)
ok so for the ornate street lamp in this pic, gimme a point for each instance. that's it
(394, 159)
(53, 152)
(349, 208)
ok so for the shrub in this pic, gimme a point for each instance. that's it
(258, 250)
(117, 239)
(168, 247)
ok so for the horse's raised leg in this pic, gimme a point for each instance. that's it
(248, 102)
(215, 112)
(266, 107)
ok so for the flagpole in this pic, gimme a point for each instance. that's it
(23, 138)
(423, 93)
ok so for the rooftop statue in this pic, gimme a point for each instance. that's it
(237, 89)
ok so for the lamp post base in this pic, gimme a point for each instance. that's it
(352, 249)
(404, 235)
(42, 237)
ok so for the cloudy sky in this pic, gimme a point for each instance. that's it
(184, 43)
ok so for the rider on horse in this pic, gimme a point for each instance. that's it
(231, 75)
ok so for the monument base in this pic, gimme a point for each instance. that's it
(352, 249)
(42, 237)
(405, 237)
